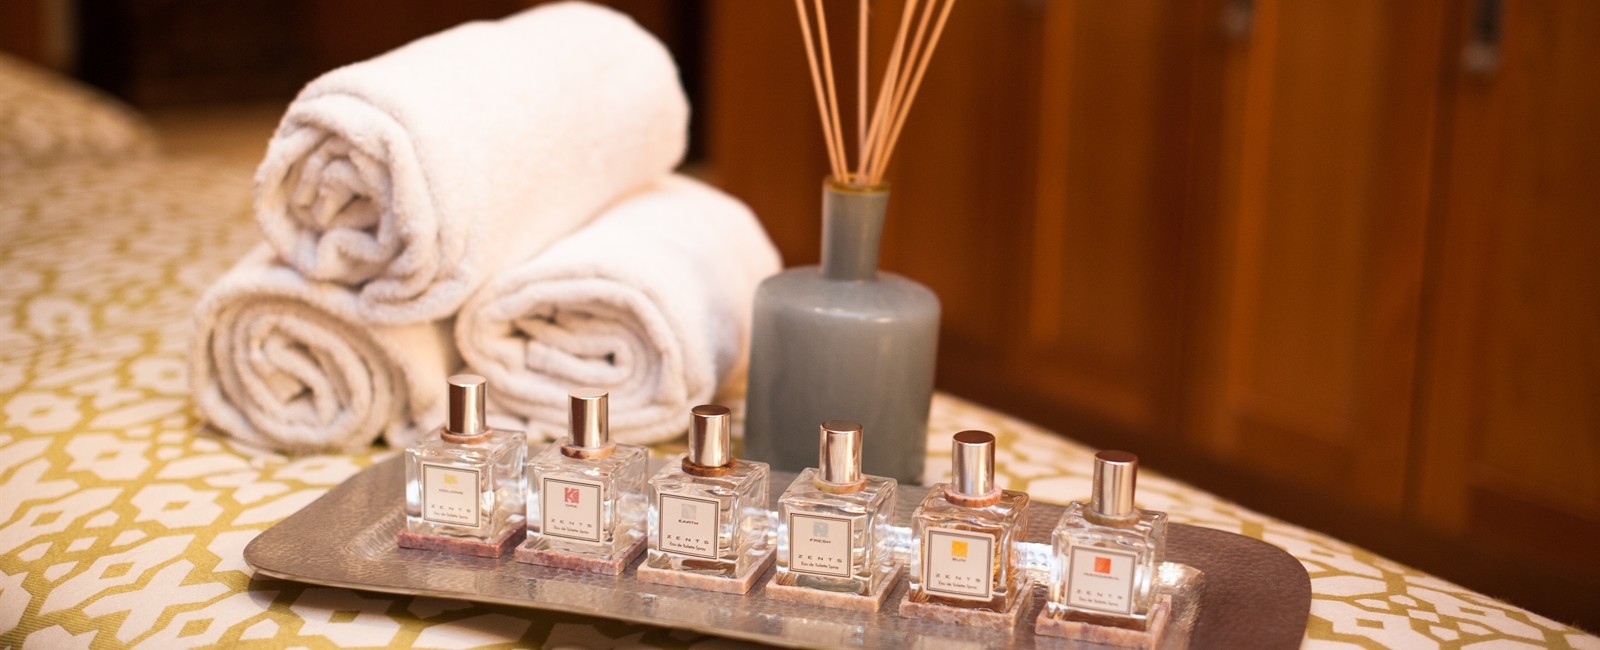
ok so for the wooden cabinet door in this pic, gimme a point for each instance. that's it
(1510, 427)
(1105, 305)
(1308, 377)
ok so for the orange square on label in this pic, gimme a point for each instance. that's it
(958, 549)
(1102, 565)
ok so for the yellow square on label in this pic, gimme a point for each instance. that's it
(958, 549)
(449, 479)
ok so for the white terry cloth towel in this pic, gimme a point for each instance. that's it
(651, 302)
(283, 363)
(414, 177)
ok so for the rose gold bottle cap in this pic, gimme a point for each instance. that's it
(972, 463)
(710, 435)
(588, 419)
(1116, 474)
(840, 453)
(467, 394)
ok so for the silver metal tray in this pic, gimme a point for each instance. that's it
(347, 539)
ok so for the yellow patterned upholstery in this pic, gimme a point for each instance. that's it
(123, 521)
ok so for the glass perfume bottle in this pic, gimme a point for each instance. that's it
(1106, 551)
(464, 480)
(708, 512)
(967, 532)
(586, 494)
(833, 522)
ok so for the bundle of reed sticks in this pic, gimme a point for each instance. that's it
(875, 141)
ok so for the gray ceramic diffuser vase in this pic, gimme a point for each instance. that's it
(843, 341)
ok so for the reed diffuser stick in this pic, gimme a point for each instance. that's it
(816, 85)
(902, 85)
(833, 95)
(861, 83)
(902, 78)
(876, 175)
(881, 112)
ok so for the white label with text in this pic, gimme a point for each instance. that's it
(570, 508)
(1100, 579)
(820, 544)
(688, 525)
(450, 495)
(958, 563)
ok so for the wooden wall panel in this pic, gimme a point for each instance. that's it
(354, 30)
(960, 204)
(1326, 233)
(765, 142)
(1510, 430)
(24, 32)
(178, 52)
(1103, 310)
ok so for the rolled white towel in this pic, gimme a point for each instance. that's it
(650, 302)
(283, 363)
(413, 177)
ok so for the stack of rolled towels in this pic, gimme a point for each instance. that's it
(496, 198)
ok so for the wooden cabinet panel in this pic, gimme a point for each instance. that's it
(959, 203)
(765, 142)
(24, 31)
(1103, 309)
(1510, 432)
(1324, 226)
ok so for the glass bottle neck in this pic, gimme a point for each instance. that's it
(1125, 521)
(852, 230)
(590, 453)
(839, 488)
(706, 471)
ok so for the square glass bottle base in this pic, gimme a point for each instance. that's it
(739, 584)
(971, 617)
(821, 597)
(462, 546)
(528, 554)
(1058, 625)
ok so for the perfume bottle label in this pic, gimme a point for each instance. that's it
(1100, 579)
(688, 525)
(570, 508)
(820, 544)
(450, 495)
(958, 563)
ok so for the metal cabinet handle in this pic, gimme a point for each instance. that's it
(1481, 55)
(1238, 18)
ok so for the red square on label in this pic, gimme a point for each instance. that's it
(569, 495)
(1102, 565)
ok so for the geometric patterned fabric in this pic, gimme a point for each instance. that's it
(123, 520)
